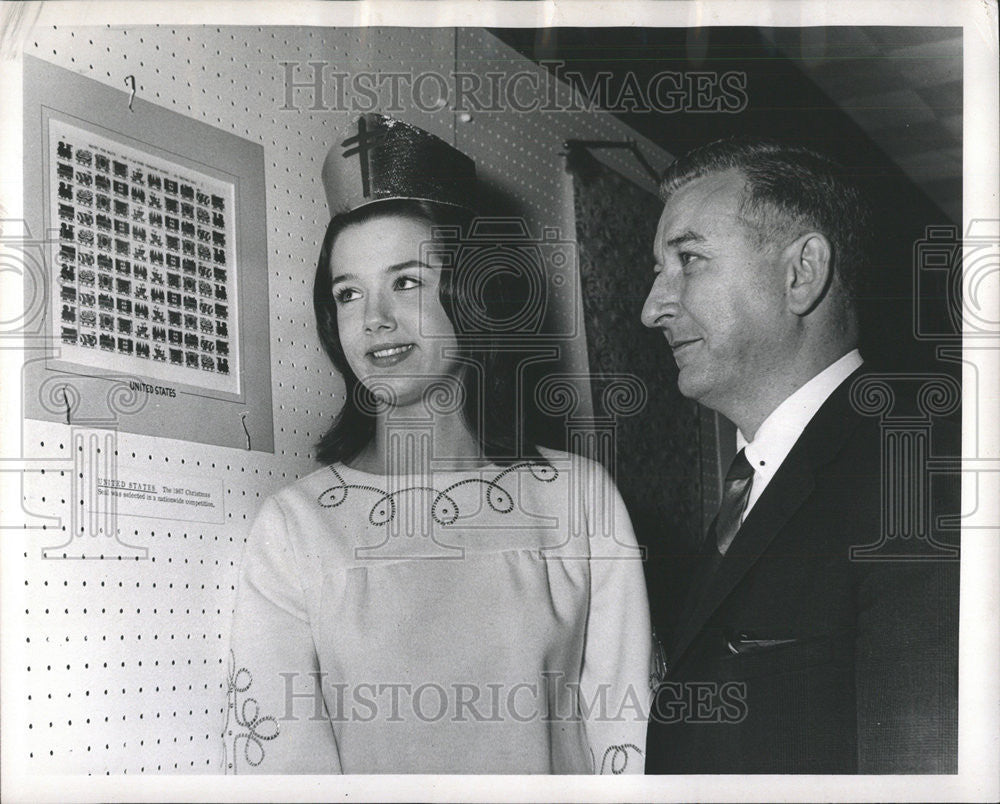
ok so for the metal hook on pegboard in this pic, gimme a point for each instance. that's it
(66, 400)
(130, 82)
(246, 432)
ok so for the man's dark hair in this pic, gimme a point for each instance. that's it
(789, 190)
(492, 420)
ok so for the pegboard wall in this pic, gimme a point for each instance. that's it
(118, 665)
(522, 154)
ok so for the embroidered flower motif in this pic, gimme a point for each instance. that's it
(619, 758)
(245, 714)
(444, 508)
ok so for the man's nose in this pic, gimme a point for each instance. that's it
(662, 301)
(378, 314)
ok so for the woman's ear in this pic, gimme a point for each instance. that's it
(808, 262)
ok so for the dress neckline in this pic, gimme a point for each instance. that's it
(441, 485)
(479, 469)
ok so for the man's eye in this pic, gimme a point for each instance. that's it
(407, 283)
(344, 295)
(686, 257)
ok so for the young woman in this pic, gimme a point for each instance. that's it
(431, 601)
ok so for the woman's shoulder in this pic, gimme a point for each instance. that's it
(553, 455)
(585, 480)
(305, 490)
(590, 485)
(315, 516)
(321, 502)
(572, 462)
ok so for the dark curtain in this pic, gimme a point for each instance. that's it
(668, 454)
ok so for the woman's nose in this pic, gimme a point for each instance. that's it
(378, 314)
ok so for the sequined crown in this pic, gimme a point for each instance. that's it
(381, 158)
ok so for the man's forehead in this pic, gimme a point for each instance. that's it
(704, 209)
(711, 199)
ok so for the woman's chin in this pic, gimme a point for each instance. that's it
(390, 393)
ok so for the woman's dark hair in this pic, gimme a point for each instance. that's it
(492, 419)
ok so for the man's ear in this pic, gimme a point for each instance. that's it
(808, 262)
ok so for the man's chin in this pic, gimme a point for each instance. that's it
(690, 384)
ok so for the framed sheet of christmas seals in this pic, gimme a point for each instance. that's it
(155, 272)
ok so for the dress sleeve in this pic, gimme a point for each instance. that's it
(276, 720)
(618, 644)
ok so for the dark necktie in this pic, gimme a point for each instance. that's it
(735, 493)
(722, 531)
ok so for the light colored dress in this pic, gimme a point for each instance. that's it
(486, 621)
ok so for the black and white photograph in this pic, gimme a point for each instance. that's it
(461, 401)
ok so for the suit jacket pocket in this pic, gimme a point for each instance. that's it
(777, 657)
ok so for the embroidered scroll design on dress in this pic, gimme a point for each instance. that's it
(243, 712)
(619, 757)
(444, 509)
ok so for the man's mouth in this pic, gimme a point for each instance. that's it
(677, 346)
(390, 355)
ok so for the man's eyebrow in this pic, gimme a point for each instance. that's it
(687, 236)
(399, 266)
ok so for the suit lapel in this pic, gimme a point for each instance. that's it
(784, 495)
(788, 490)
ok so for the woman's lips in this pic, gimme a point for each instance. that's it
(389, 355)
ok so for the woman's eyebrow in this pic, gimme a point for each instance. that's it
(342, 278)
(402, 266)
(399, 266)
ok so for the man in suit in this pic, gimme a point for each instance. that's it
(795, 651)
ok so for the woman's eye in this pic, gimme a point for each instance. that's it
(407, 283)
(344, 295)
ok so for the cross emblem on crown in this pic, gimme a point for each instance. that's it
(360, 145)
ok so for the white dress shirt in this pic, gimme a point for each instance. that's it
(779, 432)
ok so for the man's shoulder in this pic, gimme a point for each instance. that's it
(887, 406)
(873, 444)
(891, 399)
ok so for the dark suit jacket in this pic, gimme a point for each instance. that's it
(794, 657)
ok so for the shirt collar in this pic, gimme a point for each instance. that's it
(779, 431)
